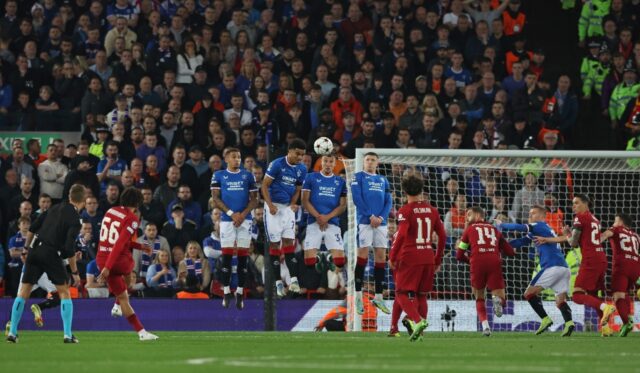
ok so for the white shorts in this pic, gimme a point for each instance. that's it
(556, 278)
(282, 224)
(43, 282)
(232, 236)
(331, 236)
(370, 237)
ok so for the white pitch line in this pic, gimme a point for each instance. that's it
(201, 361)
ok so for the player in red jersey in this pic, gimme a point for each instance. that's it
(585, 234)
(625, 244)
(486, 244)
(114, 256)
(412, 256)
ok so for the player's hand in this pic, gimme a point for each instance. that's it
(294, 208)
(540, 240)
(566, 230)
(322, 220)
(237, 218)
(392, 266)
(272, 209)
(102, 278)
(146, 249)
(76, 280)
(437, 268)
(497, 222)
(318, 328)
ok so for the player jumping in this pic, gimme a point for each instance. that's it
(114, 256)
(372, 197)
(281, 190)
(324, 196)
(486, 244)
(554, 273)
(412, 257)
(234, 191)
(626, 266)
(586, 235)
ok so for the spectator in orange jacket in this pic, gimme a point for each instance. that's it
(346, 103)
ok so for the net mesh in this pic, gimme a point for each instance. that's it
(506, 187)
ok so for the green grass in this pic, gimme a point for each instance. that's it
(316, 352)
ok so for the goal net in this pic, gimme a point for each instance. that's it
(505, 184)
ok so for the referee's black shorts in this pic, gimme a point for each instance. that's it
(44, 259)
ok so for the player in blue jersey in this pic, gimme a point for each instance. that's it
(324, 196)
(372, 197)
(234, 192)
(281, 190)
(554, 272)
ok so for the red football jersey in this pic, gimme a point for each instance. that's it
(485, 241)
(412, 244)
(118, 229)
(590, 245)
(625, 244)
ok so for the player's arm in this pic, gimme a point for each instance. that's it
(295, 197)
(340, 209)
(253, 203)
(306, 203)
(396, 246)
(505, 247)
(520, 242)
(442, 238)
(217, 201)
(266, 183)
(388, 201)
(513, 227)
(356, 193)
(606, 235)
(463, 247)
(69, 251)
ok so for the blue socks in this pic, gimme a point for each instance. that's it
(66, 311)
(16, 315)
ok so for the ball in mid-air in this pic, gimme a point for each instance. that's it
(323, 146)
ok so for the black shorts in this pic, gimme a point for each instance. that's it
(44, 259)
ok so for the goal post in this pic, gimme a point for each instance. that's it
(506, 183)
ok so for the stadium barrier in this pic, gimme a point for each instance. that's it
(293, 315)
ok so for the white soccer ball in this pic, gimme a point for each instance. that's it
(323, 146)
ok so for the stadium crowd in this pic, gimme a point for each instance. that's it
(156, 91)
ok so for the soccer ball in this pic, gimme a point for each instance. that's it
(323, 146)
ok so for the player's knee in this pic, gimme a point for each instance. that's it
(618, 295)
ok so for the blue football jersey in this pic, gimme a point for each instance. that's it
(324, 194)
(286, 178)
(372, 196)
(235, 188)
(550, 253)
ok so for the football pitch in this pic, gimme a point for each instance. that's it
(320, 352)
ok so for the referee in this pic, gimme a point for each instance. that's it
(56, 232)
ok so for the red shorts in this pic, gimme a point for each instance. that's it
(487, 275)
(116, 281)
(624, 278)
(591, 276)
(415, 278)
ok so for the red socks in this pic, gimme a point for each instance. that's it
(622, 305)
(481, 309)
(588, 300)
(310, 262)
(409, 306)
(395, 314)
(339, 262)
(135, 323)
(423, 307)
